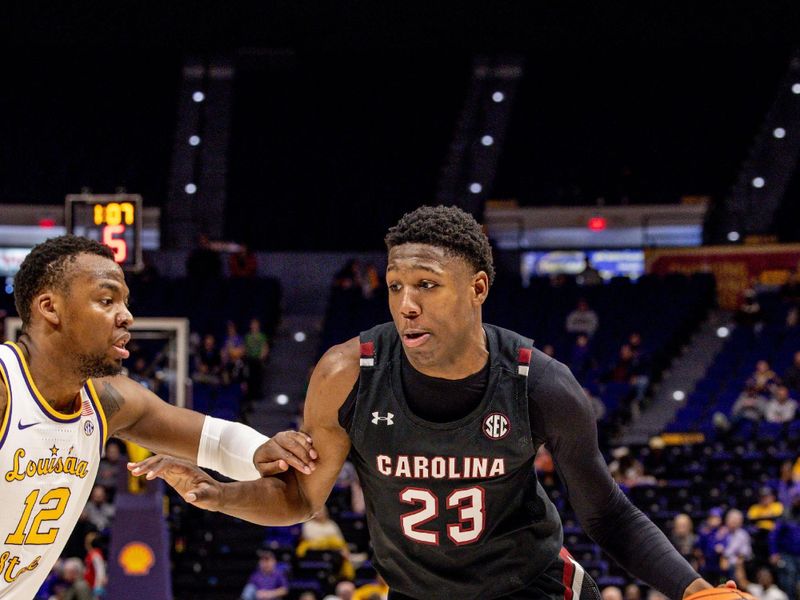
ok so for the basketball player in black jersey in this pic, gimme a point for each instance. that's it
(442, 415)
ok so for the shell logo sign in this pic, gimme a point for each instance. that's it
(136, 558)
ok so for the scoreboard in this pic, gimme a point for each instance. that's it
(112, 219)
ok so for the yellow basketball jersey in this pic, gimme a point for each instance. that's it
(48, 464)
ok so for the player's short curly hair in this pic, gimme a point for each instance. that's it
(447, 227)
(46, 266)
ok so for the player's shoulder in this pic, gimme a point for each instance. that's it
(549, 378)
(333, 378)
(341, 361)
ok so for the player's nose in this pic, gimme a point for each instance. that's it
(124, 317)
(409, 307)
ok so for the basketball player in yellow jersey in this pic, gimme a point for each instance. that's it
(61, 397)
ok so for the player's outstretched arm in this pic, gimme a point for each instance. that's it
(294, 496)
(235, 450)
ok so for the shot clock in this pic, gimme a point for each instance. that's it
(112, 219)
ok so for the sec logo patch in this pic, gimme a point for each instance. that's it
(496, 426)
(88, 427)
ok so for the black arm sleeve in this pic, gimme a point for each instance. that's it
(562, 416)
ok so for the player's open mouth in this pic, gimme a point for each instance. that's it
(412, 339)
(119, 347)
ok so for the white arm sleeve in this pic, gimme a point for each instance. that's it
(228, 448)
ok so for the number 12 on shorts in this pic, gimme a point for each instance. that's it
(468, 503)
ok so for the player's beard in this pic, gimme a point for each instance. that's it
(97, 365)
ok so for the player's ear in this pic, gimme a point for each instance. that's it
(47, 306)
(480, 286)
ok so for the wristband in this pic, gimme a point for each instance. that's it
(228, 448)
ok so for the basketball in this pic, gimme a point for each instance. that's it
(721, 593)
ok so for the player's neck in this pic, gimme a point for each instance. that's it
(55, 379)
(468, 358)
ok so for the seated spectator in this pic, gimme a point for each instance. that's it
(267, 581)
(372, 591)
(762, 515)
(72, 585)
(344, 591)
(749, 313)
(780, 408)
(597, 404)
(632, 592)
(141, 374)
(623, 369)
(789, 475)
(98, 510)
(589, 276)
(627, 470)
(549, 350)
(683, 537)
(764, 378)
(322, 533)
(791, 377)
(233, 354)
(256, 352)
(784, 545)
(611, 592)
(112, 472)
(749, 405)
(581, 361)
(764, 589)
(582, 320)
(733, 542)
(348, 481)
(708, 536)
(95, 563)
(208, 362)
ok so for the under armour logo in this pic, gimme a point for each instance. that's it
(377, 418)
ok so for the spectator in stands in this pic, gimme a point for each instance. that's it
(784, 545)
(99, 511)
(582, 320)
(322, 533)
(344, 591)
(597, 404)
(589, 276)
(208, 362)
(348, 482)
(372, 591)
(233, 355)
(764, 378)
(640, 378)
(623, 369)
(733, 542)
(632, 592)
(95, 564)
(74, 586)
(656, 595)
(627, 470)
(611, 592)
(788, 476)
(307, 595)
(112, 469)
(267, 581)
(581, 361)
(749, 313)
(762, 515)
(764, 589)
(791, 377)
(549, 350)
(256, 353)
(749, 405)
(683, 537)
(780, 408)
(243, 263)
(707, 539)
(140, 373)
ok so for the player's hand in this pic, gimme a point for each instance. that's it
(286, 449)
(194, 485)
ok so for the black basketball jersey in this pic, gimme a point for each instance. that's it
(454, 510)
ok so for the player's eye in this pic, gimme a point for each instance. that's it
(394, 287)
(427, 285)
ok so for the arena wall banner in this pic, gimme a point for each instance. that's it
(732, 266)
(138, 561)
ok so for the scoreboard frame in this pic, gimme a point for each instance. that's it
(112, 216)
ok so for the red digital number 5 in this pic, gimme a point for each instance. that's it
(470, 503)
(118, 245)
